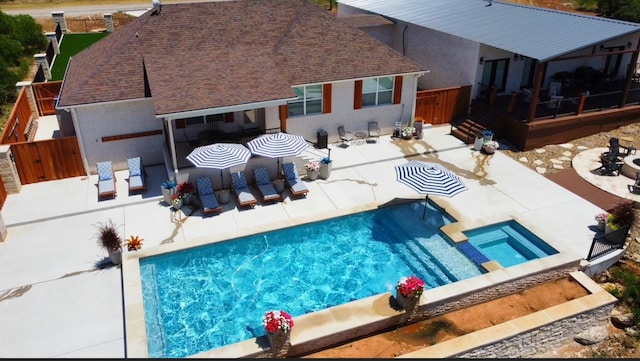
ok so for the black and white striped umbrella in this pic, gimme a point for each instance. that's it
(429, 178)
(278, 145)
(219, 156)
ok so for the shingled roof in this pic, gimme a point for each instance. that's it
(225, 53)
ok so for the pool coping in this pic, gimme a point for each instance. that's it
(339, 323)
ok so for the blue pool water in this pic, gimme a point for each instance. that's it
(508, 243)
(215, 295)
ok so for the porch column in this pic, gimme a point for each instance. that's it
(30, 96)
(629, 76)
(172, 148)
(536, 91)
(108, 22)
(83, 152)
(8, 170)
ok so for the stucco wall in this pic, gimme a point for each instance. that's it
(97, 121)
(342, 113)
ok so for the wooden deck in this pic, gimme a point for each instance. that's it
(571, 180)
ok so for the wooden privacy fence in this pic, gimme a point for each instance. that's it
(440, 106)
(45, 94)
(48, 160)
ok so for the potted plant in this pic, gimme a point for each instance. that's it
(313, 169)
(186, 189)
(477, 144)
(621, 215)
(168, 189)
(325, 167)
(487, 135)
(176, 200)
(109, 239)
(407, 132)
(601, 218)
(490, 147)
(278, 325)
(408, 292)
(134, 243)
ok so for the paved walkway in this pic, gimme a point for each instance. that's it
(56, 302)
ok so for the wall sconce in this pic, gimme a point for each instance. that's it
(516, 57)
(629, 45)
(602, 48)
(481, 60)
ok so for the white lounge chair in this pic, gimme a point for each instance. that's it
(136, 175)
(291, 177)
(374, 130)
(106, 179)
(263, 182)
(207, 197)
(241, 189)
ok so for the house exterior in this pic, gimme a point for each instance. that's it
(184, 70)
(501, 47)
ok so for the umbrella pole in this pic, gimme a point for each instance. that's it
(221, 180)
(424, 212)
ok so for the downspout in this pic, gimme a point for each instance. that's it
(172, 149)
(404, 45)
(415, 97)
(83, 152)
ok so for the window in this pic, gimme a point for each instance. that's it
(207, 119)
(309, 101)
(377, 91)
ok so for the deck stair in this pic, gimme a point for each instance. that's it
(477, 118)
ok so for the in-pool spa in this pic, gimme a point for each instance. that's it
(508, 243)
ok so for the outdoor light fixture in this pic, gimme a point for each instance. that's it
(481, 60)
(602, 48)
(516, 57)
(629, 45)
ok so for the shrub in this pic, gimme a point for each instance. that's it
(621, 215)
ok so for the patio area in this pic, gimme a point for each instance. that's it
(52, 255)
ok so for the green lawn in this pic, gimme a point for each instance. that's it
(71, 45)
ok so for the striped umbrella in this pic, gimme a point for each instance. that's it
(278, 145)
(219, 156)
(429, 178)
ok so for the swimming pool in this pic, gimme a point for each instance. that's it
(211, 296)
(508, 243)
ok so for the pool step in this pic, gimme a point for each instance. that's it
(528, 249)
(463, 269)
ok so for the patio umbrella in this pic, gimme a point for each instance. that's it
(429, 178)
(278, 145)
(219, 156)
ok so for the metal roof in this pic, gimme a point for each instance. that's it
(537, 33)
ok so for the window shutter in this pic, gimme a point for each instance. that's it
(326, 98)
(228, 118)
(181, 123)
(397, 90)
(357, 94)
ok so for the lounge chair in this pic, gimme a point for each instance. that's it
(136, 175)
(374, 130)
(263, 182)
(345, 136)
(106, 179)
(242, 191)
(635, 187)
(610, 166)
(208, 199)
(616, 150)
(293, 181)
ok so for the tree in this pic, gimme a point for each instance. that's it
(20, 38)
(627, 10)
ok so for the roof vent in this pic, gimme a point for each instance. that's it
(157, 7)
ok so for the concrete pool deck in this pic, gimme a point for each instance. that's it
(56, 303)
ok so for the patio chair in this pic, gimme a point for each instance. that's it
(635, 187)
(609, 167)
(345, 136)
(241, 189)
(106, 179)
(137, 181)
(293, 181)
(374, 130)
(616, 150)
(263, 182)
(208, 199)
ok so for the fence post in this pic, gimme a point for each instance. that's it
(3, 229)
(8, 171)
(41, 60)
(31, 98)
(108, 22)
(58, 19)
(51, 36)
